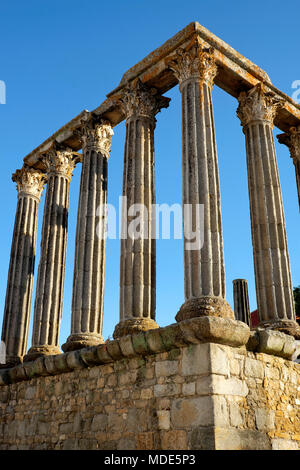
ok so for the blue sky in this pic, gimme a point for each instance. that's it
(60, 57)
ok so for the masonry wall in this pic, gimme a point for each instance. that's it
(198, 396)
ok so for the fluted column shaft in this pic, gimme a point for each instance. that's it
(59, 164)
(16, 319)
(241, 301)
(204, 274)
(138, 260)
(275, 303)
(89, 268)
(292, 140)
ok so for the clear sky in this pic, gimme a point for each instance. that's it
(60, 57)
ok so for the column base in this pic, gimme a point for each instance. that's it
(288, 327)
(79, 341)
(134, 325)
(37, 351)
(205, 306)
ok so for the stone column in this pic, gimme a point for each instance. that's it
(204, 274)
(137, 272)
(89, 269)
(241, 301)
(59, 164)
(16, 319)
(292, 140)
(257, 110)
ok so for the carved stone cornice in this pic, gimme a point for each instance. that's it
(196, 61)
(258, 105)
(96, 136)
(139, 100)
(29, 181)
(60, 161)
(292, 140)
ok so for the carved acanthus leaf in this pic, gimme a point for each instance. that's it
(257, 105)
(96, 136)
(29, 181)
(196, 61)
(140, 100)
(60, 161)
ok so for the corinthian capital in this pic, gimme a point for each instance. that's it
(292, 140)
(96, 136)
(60, 161)
(195, 61)
(257, 105)
(29, 181)
(141, 100)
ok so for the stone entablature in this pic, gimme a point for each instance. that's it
(234, 73)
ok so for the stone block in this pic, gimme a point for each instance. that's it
(192, 412)
(89, 356)
(74, 361)
(202, 438)
(36, 368)
(172, 336)
(126, 444)
(102, 353)
(163, 419)
(270, 341)
(174, 440)
(99, 422)
(147, 441)
(254, 368)
(30, 392)
(18, 373)
(203, 359)
(60, 361)
(154, 340)
(220, 385)
(166, 368)
(240, 439)
(265, 419)
(139, 343)
(114, 350)
(284, 444)
(166, 390)
(188, 388)
(126, 346)
(50, 365)
(215, 330)
(236, 415)
(146, 393)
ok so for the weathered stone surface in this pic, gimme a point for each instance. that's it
(192, 412)
(275, 342)
(203, 359)
(257, 110)
(140, 104)
(30, 184)
(89, 269)
(241, 301)
(126, 346)
(221, 330)
(59, 163)
(166, 368)
(241, 439)
(265, 419)
(204, 396)
(89, 355)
